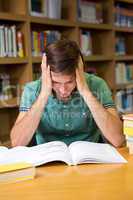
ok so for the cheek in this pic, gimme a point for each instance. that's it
(71, 87)
(55, 87)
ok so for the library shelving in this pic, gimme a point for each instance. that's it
(103, 31)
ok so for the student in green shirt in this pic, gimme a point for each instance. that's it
(66, 104)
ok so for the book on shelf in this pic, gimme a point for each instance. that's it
(123, 15)
(120, 45)
(20, 44)
(5, 87)
(76, 153)
(89, 11)
(46, 8)
(16, 172)
(39, 40)
(85, 43)
(10, 41)
(123, 73)
(124, 100)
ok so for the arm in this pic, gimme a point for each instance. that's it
(27, 122)
(107, 119)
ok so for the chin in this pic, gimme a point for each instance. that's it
(64, 98)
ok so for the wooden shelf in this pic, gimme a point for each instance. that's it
(128, 112)
(13, 60)
(124, 85)
(53, 22)
(123, 29)
(94, 26)
(11, 103)
(37, 59)
(124, 58)
(12, 17)
(90, 58)
(125, 1)
(97, 58)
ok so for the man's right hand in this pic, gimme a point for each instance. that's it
(46, 88)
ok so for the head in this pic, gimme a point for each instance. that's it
(63, 58)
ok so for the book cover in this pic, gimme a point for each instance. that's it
(15, 172)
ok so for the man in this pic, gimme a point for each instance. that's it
(66, 104)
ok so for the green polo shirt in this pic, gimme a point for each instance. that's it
(71, 121)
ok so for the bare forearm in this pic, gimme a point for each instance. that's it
(23, 131)
(109, 124)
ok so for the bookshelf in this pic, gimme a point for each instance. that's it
(103, 58)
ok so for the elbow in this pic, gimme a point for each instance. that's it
(14, 141)
(17, 140)
(119, 142)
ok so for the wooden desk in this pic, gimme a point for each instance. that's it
(57, 181)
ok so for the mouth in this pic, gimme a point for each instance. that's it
(65, 97)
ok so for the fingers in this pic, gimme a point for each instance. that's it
(44, 60)
(77, 72)
(80, 64)
(44, 64)
(48, 72)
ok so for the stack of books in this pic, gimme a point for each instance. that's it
(128, 131)
(124, 100)
(15, 172)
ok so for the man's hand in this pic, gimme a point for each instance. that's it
(46, 88)
(80, 79)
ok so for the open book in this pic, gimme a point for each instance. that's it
(76, 153)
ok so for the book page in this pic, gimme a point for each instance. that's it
(52, 151)
(3, 151)
(37, 155)
(89, 152)
(17, 154)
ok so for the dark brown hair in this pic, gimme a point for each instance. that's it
(63, 56)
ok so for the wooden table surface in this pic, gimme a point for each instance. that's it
(57, 181)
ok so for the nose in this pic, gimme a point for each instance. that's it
(63, 89)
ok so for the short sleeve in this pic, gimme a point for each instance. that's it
(105, 95)
(27, 99)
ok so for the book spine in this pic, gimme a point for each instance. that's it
(20, 44)
(14, 42)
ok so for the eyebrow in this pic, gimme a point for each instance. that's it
(65, 82)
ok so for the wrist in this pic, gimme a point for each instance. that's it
(86, 94)
(85, 91)
(43, 98)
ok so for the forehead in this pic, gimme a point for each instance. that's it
(62, 78)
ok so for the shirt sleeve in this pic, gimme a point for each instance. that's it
(105, 95)
(27, 99)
